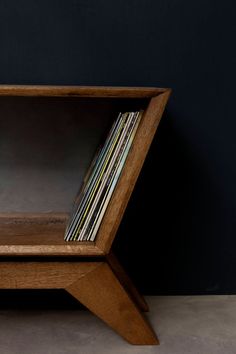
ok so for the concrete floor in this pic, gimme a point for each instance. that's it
(185, 324)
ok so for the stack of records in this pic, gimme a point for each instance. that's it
(102, 178)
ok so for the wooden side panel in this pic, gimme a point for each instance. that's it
(132, 168)
(42, 275)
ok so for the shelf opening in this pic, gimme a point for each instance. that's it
(46, 147)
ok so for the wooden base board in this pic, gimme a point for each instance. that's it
(102, 286)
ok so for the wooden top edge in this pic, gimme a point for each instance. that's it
(80, 91)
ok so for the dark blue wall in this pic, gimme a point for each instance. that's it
(187, 239)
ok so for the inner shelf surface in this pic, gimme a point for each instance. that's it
(34, 229)
(40, 235)
(46, 147)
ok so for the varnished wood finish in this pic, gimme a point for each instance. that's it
(42, 275)
(33, 218)
(92, 283)
(40, 234)
(79, 91)
(131, 170)
(37, 235)
(102, 286)
(126, 282)
(32, 229)
(79, 249)
(101, 292)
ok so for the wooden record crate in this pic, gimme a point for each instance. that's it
(48, 135)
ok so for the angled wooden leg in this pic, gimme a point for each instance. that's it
(102, 293)
(126, 282)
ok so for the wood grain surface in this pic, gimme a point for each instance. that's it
(79, 91)
(102, 293)
(42, 275)
(130, 172)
